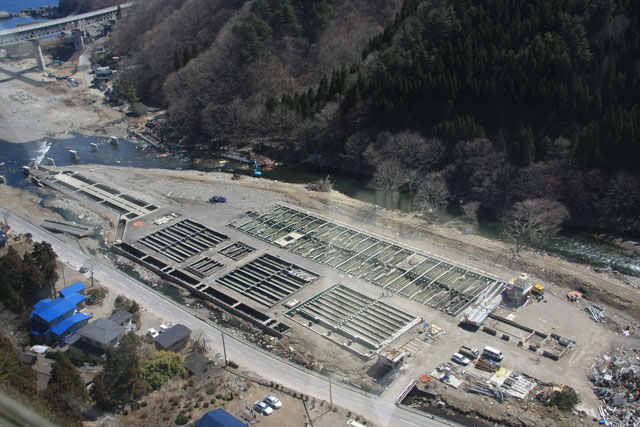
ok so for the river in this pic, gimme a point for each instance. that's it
(574, 245)
(12, 6)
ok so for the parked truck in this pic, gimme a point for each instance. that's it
(471, 353)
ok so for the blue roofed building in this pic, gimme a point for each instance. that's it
(219, 418)
(77, 288)
(49, 313)
(67, 326)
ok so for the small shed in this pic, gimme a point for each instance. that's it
(173, 339)
(198, 365)
(122, 318)
(219, 418)
(29, 358)
(76, 288)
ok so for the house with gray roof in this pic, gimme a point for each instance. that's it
(173, 339)
(198, 365)
(94, 339)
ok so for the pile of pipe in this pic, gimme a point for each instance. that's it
(596, 312)
(480, 388)
(616, 380)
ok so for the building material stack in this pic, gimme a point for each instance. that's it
(596, 312)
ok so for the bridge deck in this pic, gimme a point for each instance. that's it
(13, 34)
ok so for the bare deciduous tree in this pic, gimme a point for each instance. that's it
(533, 222)
(388, 176)
(355, 146)
(432, 194)
(622, 195)
(480, 165)
(470, 213)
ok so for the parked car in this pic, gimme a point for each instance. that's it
(262, 408)
(273, 401)
(458, 358)
(152, 333)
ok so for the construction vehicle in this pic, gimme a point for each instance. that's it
(538, 292)
(256, 170)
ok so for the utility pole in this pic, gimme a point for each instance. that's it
(63, 279)
(330, 396)
(224, 349)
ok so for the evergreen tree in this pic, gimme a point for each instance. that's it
(186, 55)
(11, 273)
(522, 150)
(177, 61)
(99, 392)
(32, 279)
(323, 89)
(66, 393)
(45, 259)
(121, 377)
(270, 104)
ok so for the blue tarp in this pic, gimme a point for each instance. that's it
(75, 299)
(61, 328)
(219, 418)
(53, 309)
(75, 288)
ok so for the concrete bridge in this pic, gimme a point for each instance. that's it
(55, 26)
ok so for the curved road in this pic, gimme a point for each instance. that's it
(382, 410)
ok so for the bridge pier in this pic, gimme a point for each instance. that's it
(37, 52)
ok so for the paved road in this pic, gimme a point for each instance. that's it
(382, 410)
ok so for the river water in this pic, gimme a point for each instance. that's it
(18, 5)
(578, 246)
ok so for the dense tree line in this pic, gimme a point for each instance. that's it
(24, 277)
(529, 100)
(532, 70)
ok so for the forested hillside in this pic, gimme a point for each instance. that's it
(497, 101)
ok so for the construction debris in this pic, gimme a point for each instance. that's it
(596, 312)
(616, 378)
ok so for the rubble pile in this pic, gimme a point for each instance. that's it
(616, 378)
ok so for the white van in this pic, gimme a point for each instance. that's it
(493, 353)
